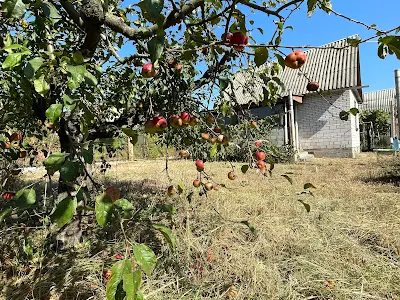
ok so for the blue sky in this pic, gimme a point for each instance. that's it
(322, 28)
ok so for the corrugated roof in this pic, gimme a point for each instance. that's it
(332, 68)
(382, 99)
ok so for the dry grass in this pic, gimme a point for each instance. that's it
(346, 247)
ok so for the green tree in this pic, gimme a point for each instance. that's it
(379, 118)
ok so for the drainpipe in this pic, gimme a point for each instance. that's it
(397, 82)
(286, 133)
(393, 119)
(292, 126)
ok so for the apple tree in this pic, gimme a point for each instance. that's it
(61, 73)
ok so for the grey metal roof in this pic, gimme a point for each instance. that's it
(382, 99)
(332, 68)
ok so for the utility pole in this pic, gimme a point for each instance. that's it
(397, 82)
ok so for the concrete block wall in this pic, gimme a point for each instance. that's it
(320, 129)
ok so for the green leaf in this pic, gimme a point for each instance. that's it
(51, 12)
(223, 82)
(251, 227)
(69, 170)
(344, 115)
(309, 185)
(25, 198)
(261, 56)
(64, 212)
(214, 150)
(145, 257)
(88, 155)
(306, 205)
(54, 161)
(225, 108)
(77, 57)
(181, 187)
(168, 235)
(41, 85)
(117, 272)
(124, 204)
(354, 42)
(69, 102)
(288, 178)
(131, 283)
(156, 46)
(382, 51)
(354, 111)
(311, 5)
(90, 79)
(14, 8)
(5, 213)
(104, 209)
(154, 7)
(53, 113)
(77, 76)
(281, 60)
(133, 134)
(13, 60)
(244, 168)
(32, 66)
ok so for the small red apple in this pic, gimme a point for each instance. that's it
(312, 87)
(210, 119)
(257, 144)
(172, 62)
(107, 274)
(208, 186)
(148, 70)
(239, 40)
(216, 187)
(185, 116)
(217, 130)
(8, 196)
(196, 183)
(226, 38)
(184, 153)
(205, 136)
(159, 123)
(175, 121)
(118, 256)
(259, 155)
(113, 193)
(231, 175)
(199, 165)
(16, 137)
(178, 67)
(261, 165)
(213, 140)
(149, 128)
(205, 50)
(171, 190)
(295, 59)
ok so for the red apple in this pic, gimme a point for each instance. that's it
(261, 165)
(257, 144)
(216, 187)
(184, 153)
(172, 62)
(210, 119)
(213, 140)
(312, 87)
(148, 70)
(16, 137)
(199, 165)
(231, 175)
(159, 123)
(175, 121)
(254, 124)
(259, 155)
(226, 37)
(118, 256)
(196, 183)
(113, 193)
(185, 116)
(208, 186)
(295, 59)
(149, 128)
(239, 40)
(178, 67)
(107, 274)
(217, 130)
(8, 196)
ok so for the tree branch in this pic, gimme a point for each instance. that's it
(75, 16)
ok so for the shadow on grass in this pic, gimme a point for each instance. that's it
(65, 266)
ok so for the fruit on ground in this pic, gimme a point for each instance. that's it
(185, 116)
(260, 155)
(148, 70)
(175, 121)
(261, 165)
(254, 124)
(296, 59)
(312, 87)
(257, 144)
(239, 40)
(107, 274)
(216, 187)
(184, 153)
(113, 193)
(231, 175)
(22, 154)
(16, 137)
(196, 183)
(171, 190)
(213, 140)
(118, 256)
(208, 186)
(205, 136)
(8, 196)
(199, 165)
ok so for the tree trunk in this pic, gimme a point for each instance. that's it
(66, 147)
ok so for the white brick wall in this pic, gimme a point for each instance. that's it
(320, 126)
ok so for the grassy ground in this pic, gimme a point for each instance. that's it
(346, 247)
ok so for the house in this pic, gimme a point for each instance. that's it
(315, 126)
